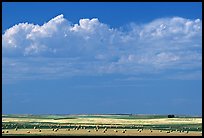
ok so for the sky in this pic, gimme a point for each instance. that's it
(102, 58)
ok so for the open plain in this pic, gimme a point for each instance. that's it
(101, 125)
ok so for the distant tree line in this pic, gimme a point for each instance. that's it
(171, 116)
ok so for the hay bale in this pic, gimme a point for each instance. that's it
(7, 131)
(39, 130)
(115, 130)
(28, 131)
(88, 130)
(2, 131)
(123, 131)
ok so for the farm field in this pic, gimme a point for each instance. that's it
(101, 125)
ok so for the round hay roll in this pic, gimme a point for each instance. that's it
(28, 131)
(39, 130)
(88, 130)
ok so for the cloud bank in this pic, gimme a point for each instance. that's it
(59, 48)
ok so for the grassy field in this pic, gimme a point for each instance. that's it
(97, 124)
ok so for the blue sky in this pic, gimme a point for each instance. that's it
(76, 58)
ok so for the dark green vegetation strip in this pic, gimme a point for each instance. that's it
(179, 127)
(57, 117)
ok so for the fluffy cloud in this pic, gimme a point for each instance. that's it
(164, 44)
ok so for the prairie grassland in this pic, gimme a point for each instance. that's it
(111, 120)
(109, 132)
(101, 125)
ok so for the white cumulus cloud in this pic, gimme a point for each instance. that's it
(172, 43)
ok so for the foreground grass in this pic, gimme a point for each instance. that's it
(92, 132)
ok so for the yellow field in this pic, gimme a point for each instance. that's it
(111, 120)
(110, 132)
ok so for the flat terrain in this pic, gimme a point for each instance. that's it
(101, 125)
(109, 132)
